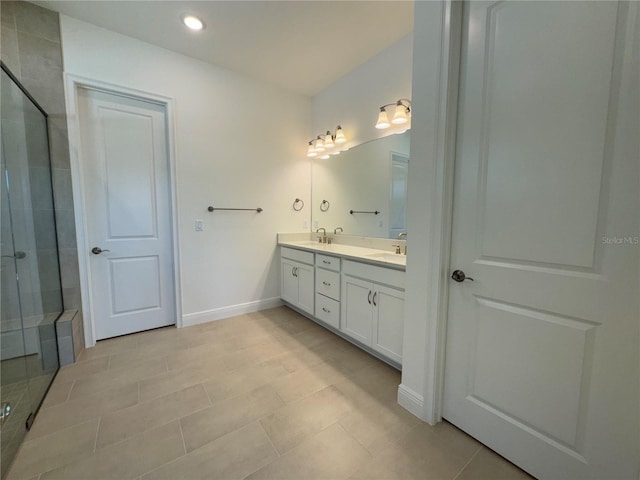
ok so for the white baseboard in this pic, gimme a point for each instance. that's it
(197, 318)
(411, 400)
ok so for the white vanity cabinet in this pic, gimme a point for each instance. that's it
(373, 307)
(328, 290)
(297, 278)
(360, 300)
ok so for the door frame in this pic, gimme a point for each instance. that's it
(427, 292)
(73, 84)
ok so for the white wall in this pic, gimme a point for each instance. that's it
(240, 143)
(353, 101)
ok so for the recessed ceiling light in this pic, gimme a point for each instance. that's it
(194, 23)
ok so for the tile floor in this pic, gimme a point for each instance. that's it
(269, 395)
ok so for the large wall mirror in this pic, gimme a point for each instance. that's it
(371, 177)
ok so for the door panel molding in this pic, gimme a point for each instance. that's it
(577, 245)
(73, 84)
(553, 342)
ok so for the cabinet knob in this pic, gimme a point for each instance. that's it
(326, 283)
(369, 297)
(374, 299)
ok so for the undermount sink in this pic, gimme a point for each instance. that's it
(389, 257)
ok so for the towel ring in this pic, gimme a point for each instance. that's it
(297, 202)
(324, 206)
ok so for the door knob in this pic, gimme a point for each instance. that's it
(459, 276)
(98, 250)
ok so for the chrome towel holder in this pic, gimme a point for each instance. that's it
(360, 211)
(258, 210)
(298, 204)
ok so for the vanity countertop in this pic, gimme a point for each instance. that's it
(361, 254)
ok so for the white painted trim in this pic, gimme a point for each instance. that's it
(205, 316)
(71, 85)
(440, 253)
(436, 64)
(409, 399)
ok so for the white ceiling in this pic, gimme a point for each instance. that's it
(302, 46)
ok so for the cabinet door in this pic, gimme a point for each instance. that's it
(388, 322)
(357, 309)
(306, 290)
(289, 282)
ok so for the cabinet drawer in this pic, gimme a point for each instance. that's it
(298, 255)
(325, 261)
(328, 310)
(382, 275)
(328, 283)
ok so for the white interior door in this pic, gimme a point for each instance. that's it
(398, 200)
(542, 352)
(125, 176)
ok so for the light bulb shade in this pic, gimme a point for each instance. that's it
(383, 120)
(319, 146)
(324, 157)
(340, 138)
(328, 141)
(335, 152)
(311, 152)
(401, 114)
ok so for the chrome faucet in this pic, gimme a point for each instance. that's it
(323, 238)
(400, 235)
(335, 230)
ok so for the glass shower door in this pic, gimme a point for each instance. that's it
(31, 299)
(15, 399)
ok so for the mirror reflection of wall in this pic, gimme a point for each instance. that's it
(369, 177)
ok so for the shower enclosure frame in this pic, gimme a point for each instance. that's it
(35, 402)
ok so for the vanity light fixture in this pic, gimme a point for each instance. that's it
(311, 152)
(192, 22)
(383, 120)
(324, 145)
(328, 141)
(401, 114)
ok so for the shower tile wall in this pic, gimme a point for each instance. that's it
(30, 47)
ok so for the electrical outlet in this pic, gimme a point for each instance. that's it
(316, 224)
(305, 224)
(199, 226)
